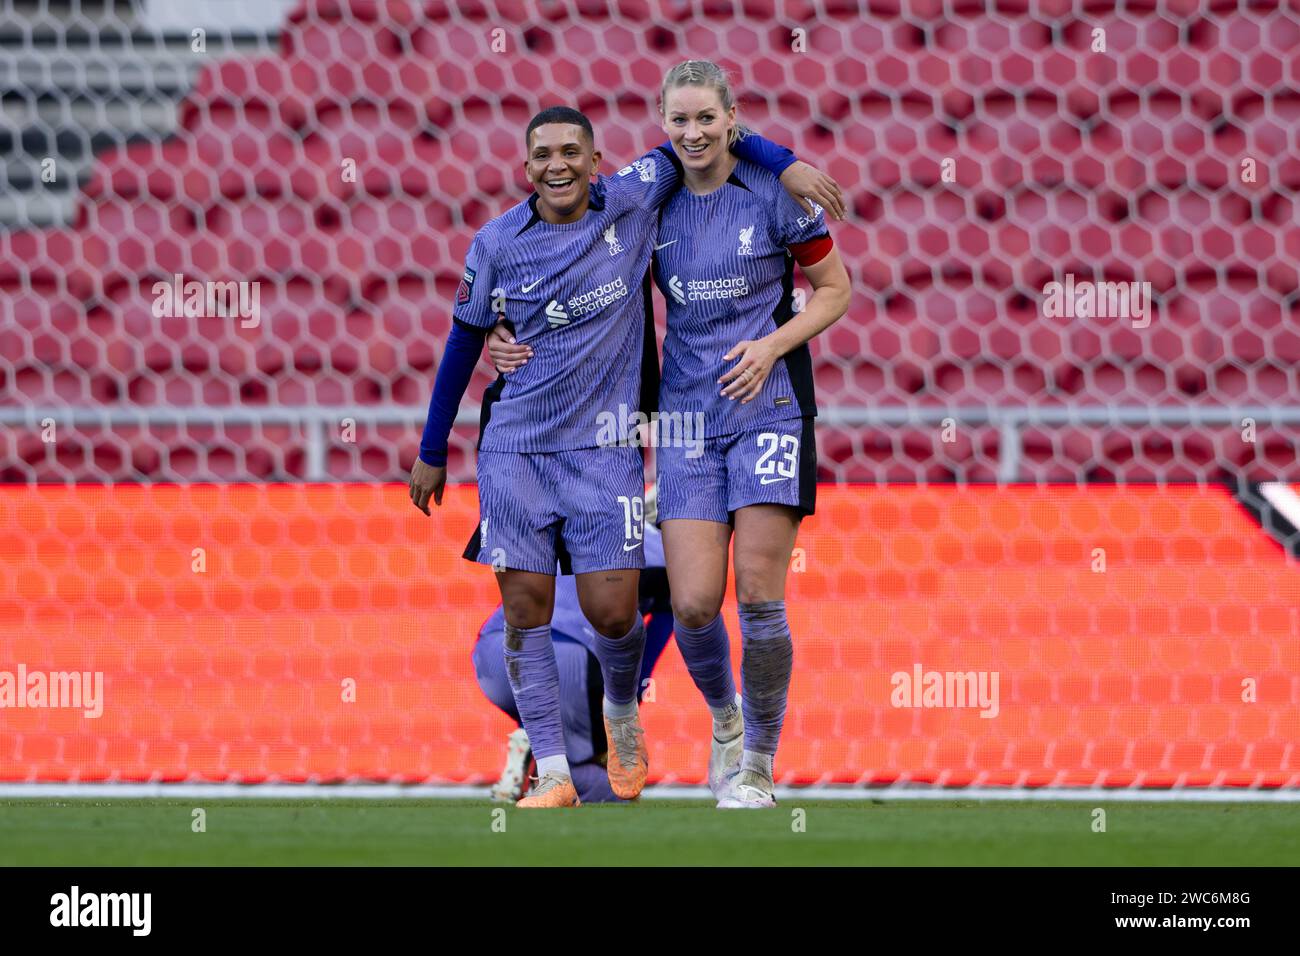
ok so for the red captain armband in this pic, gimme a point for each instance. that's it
(813, 251)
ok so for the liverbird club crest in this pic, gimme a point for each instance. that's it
(746, 241)
(615, 247)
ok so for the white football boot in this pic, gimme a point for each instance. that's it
(519, 753)
(749, 790)
(725, 752)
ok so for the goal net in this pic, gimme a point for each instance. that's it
(1056, 536)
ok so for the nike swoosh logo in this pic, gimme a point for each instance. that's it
(530, 287)
(662, 244)
(771, 481)
(632, 547)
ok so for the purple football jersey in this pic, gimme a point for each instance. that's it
(722, 264)
(575, 292)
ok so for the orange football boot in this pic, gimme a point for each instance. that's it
(554, 791)
(629, 761)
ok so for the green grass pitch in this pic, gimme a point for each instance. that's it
(654, 832)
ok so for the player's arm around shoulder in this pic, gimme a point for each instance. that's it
(645, 182)
(808, 185)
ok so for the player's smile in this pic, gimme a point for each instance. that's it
(561, 188)
(697, 150)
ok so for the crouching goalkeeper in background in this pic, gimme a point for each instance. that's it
(581, 685)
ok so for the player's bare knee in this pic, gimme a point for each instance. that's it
(695, 612)
(758, 582)
(526, 610)
(613, 622)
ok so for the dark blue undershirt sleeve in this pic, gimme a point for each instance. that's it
(763, 152)
(464, 346)
(657, 634)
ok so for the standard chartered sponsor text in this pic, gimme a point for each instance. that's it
(731, 287)
(598, 297)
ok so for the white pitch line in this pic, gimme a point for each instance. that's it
(1046, 794)
(380, 791)
(236, 791)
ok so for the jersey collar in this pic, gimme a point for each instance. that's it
(595, 203)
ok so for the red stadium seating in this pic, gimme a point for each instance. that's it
(1117, 166)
